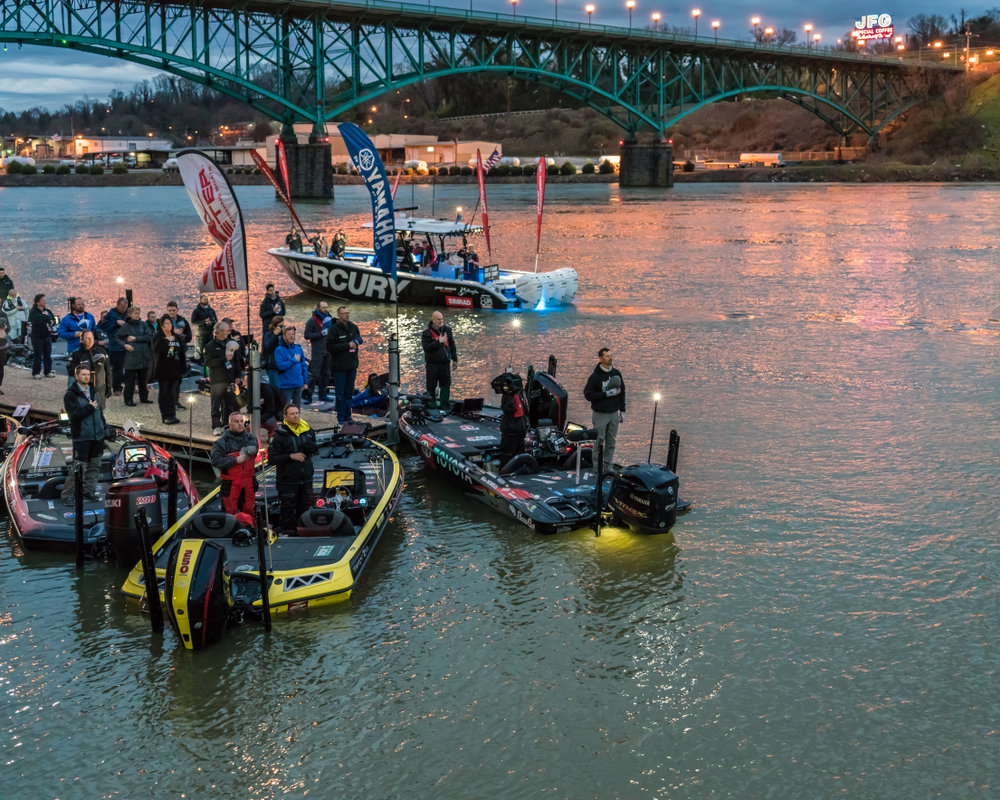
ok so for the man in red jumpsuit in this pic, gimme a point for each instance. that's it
(233, 455)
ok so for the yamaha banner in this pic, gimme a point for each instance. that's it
(370, 167)
(216, 204)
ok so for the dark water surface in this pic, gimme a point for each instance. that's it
(819, 626)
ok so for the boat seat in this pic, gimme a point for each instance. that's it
(52, 488)
(213, 525)
(324, 522)
(523, 464)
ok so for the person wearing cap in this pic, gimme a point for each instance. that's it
(138, 356)
(605, 390)
(220, 362)
(271, 306)
(233, 454)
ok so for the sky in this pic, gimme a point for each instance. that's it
(51, 77)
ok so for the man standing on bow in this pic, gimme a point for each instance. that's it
(342, 344)
(439, 354)
(88, 430)
(290, 452)
(271, 306)
(317, 329)
(233, 454)
(605, 390)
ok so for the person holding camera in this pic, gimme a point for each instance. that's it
(342, 344)
(439, 354)
(605, 390)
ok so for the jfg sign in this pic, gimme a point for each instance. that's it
(873, 26)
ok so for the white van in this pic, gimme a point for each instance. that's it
(762, 159)
(170, 165)
(414, 164)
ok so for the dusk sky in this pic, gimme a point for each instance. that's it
(52, 77)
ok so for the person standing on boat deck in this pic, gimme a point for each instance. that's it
(75, 323)
(605, 390)
(342, 344)
(316, 331)
(293, 376)
(293, 241)
(138, 356)
(221, 373)
(439, 354)
(88, 430)
(111, 324)
(43, 325)
(290, 452)
(272, 338)
(271, 306)
(203, 320)
(169, 367)
(233, 454)
(96, 357)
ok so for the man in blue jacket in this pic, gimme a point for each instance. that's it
(605, 390)
(293, 376)
(111, 324)
(88, 430)
(72, 326)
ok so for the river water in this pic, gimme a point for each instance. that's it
(818, 626)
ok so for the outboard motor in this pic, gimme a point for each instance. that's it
(644, 496)
(121, 504)
(198, 596)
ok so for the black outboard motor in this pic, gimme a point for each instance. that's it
(644, 496)
(121, 504)
(198, 596)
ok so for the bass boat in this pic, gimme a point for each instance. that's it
(208, 565)
(554, 486)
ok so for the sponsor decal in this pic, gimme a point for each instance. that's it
(514, 494)
(245, 568)
(450, 463)
(480, 438)
(638, 499)
(298, 606)
(468, 428)
(115, 503)
(453, 445)
(148, 500)
(326, 550)
(458, 302)
(485, 301)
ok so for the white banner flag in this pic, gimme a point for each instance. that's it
(216, 204)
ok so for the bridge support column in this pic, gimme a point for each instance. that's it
(646, 164)
(310, 172)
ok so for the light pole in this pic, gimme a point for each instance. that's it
(755, 21)
(590, 15)
(190, 399)
(809, 28)
(768, 32)
(656, 20)
(816, 39)
(630, 4)
(715, 27)
(557, 10)
(514, 3)
(696, 13)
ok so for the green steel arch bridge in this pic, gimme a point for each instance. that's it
(310, 61)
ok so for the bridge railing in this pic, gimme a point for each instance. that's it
(448, 16)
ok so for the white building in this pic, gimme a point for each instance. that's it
(141, 147)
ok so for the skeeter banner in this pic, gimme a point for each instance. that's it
(216, 204)
(482, 201)
(268, 173)
(372, 170)
(279, 149)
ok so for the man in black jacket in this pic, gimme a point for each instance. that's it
(220, 361)
(271, 306)
(317, 329)
(605, 390)
(203, 320)
(88, 431)
(342, 344)
(291, 452)
(439, 354)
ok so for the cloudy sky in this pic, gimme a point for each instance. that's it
(52, 77)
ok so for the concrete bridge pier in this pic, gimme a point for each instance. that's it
(646, 164)
(310, 172)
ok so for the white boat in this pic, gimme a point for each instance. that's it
(451, 281)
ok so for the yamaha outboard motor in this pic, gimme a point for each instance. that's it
(644, 496)
(121, 503)
(198, 596)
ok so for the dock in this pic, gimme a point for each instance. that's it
(191, 439)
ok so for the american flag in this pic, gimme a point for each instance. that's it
(491, 161)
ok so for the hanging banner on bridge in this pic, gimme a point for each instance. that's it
(268, 173)
(372, 170)
(482, 201)
(216, 204)
(872, 27)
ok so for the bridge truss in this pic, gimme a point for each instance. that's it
(310, 61)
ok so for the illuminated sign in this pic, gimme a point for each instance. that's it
(872, 27)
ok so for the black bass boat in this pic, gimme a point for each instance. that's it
(447, 280)
(34, 473)
(553, 487)
(208, 565)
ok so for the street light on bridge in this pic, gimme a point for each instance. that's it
(816, 39)
(630, 4)
(769, 32)
(514, 3)
(755, 21)
(809, 28)
(590, 15)
(557, 9)
(715, 27)
(696, 13)
(656, 20)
